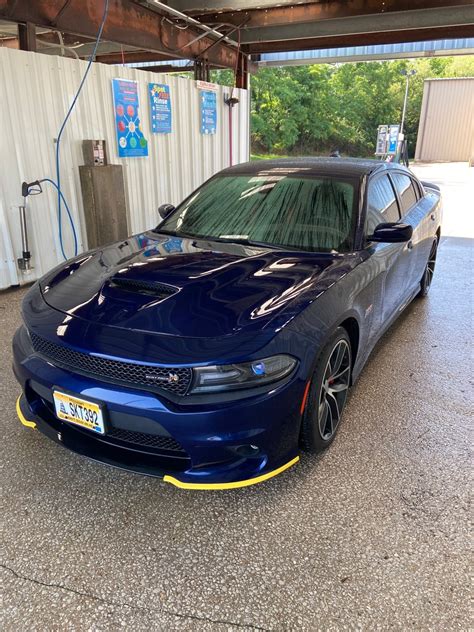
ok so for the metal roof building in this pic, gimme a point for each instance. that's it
(446, 129)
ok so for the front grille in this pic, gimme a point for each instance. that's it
(144, 439)
(173, 380)
(118, 437)
(153, 288)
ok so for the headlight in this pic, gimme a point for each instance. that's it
(230, 377)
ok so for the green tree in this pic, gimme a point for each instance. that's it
(312, 109)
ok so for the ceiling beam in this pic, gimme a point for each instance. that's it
(127, 23)
(167, 68)
(317, 11)
(429, 19)
(361, 39)
(213, 6)
(131, 57)
(140, 56)
(9, 42)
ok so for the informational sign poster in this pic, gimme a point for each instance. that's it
(206, 85)
(393, 132)
(160, 108)
(130, 139)
(208, 101)
(381, 147)
(387, 140)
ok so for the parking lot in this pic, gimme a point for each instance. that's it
(372, 535)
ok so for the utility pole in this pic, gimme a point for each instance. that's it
(402, 150)
(408, 74)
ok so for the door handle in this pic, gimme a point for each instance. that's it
(410, 245)
(433, 216)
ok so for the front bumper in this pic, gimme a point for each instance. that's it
(219, 445)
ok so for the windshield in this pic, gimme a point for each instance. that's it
(304, 213)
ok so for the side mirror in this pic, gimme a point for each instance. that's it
(165, 209)
(392, 233)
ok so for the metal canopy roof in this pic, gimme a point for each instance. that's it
(226, 33)
(378, 52)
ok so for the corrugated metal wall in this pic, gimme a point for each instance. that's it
(35, 93)
(446, 130)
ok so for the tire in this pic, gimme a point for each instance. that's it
(324, 406)
(427, 277)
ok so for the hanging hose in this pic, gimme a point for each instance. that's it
(34, 188)
(57, 184)
(71, 221)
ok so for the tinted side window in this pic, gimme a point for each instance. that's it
(381, 203)
(406, 190)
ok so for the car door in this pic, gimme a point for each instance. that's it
(415, 212)
(392, 261)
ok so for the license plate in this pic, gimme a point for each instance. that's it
(79, 411)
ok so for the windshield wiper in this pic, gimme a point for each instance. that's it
(253, 242)
(239, 240)
(165, 232)
(173, 233)
(227, 240)
(263, 244)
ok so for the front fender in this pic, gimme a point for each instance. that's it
(353, 297)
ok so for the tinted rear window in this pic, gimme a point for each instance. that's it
(406, 190)
(382, 204)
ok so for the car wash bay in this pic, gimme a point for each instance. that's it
(373, 533)
(375, 530)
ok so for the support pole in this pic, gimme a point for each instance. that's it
(27, 36)
(405, 100)
(242, 78)
(201, 70)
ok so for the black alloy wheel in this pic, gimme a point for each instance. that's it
(427, 277)
(334, 389)
(327, 393)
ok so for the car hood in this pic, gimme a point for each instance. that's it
(188, 287)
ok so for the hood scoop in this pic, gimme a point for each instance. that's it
(139, 286)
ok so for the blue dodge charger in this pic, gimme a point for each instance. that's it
(210, 350)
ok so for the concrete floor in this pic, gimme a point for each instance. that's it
(372, 535)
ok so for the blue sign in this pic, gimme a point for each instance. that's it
(208, 112)
(130, 139)
(160, 100)
(393, 132)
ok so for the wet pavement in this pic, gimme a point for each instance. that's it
(371, 535)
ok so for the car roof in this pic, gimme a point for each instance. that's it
(350, 167)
